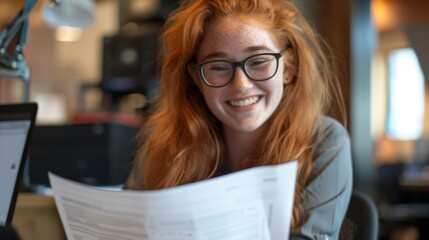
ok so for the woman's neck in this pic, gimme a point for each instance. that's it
(238, 144)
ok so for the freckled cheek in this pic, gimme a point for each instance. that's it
(274, 89)
(212, 96)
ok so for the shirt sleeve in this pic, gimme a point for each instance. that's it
(326, 197)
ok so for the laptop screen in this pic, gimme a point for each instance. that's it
(16, 123)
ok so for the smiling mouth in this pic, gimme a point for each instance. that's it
(245, 102)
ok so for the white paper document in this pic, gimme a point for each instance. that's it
(251, 204)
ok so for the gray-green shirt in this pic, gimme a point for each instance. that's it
(328, 193)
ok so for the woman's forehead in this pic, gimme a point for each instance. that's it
(234, 34)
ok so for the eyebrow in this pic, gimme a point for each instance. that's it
(224, 54)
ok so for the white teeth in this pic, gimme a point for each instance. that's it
(245, 102)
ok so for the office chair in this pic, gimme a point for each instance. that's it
(361, 220)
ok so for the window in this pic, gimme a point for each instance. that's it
(406, 95)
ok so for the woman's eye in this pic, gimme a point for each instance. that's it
(219, 68)
(258, 62)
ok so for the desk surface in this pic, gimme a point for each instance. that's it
(36, 217)
(32, 200)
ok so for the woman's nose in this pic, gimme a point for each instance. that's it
(240, 80)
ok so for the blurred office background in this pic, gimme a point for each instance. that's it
(101, 80)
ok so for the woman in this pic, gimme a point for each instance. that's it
(247, 83)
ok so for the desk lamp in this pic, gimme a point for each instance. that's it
(72, 13)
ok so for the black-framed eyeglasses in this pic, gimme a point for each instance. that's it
(259, 67)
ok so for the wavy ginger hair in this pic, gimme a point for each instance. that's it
(182, 141)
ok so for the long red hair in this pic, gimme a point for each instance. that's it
(182, 140)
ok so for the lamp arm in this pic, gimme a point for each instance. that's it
(15, 33)
(12, 41)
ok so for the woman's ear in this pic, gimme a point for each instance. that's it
(192, 71)
(288, 75)
(289, 66)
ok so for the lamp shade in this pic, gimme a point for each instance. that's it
(71, 13)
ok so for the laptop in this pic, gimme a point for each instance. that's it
(16, 125)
